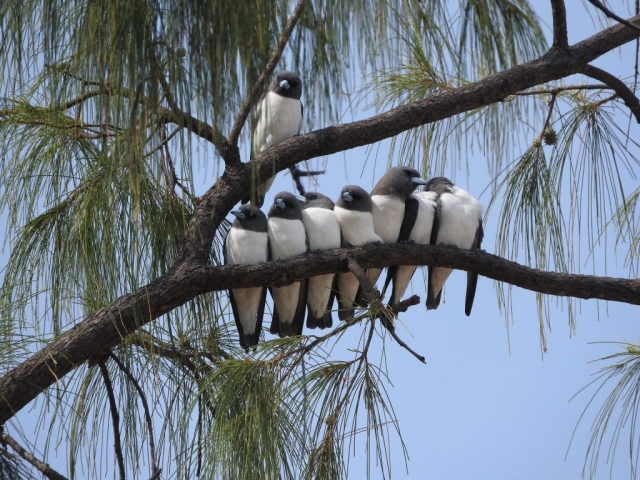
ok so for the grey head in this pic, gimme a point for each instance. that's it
(398, 182)
(286, 205)
(287, 84)
(317, 200)
(439, 185)
(355, 198)
(249, 217)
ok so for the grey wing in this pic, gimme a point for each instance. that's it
(472, 278)
(275, 319)
(433, 299)
(274, 315)
(301, 117)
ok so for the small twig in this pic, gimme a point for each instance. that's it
(79, 99)
(188, 121)
(612, 15)
(388, 314)
(606, 100)
(557, 90)
(630, 100)
(297, 174)
(545, 125)
(368, 292)
(115, 418)
(44, 468)
(164, 139)
(155, 471)
(404, 305)
(266, 73)
(404, 345)
(559, 14)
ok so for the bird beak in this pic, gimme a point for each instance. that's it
(238, 213)
(301, 199)
(419, 181)
(346, 196)
(280, 204)
(284, 84)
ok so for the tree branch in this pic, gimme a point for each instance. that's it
(46, 470)
(629, 98)
(191, 276)
(230, 188)
(115, 418)
(612, 15)
(258, 87)
(557, 90)
(400, 342)
(559, 13)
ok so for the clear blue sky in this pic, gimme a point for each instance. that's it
(488, 404)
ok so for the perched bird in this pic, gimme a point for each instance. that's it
(392, 205)
(323, 233)
(287, 238)
(278, 118)
(458, 221)
(416, 229)
(247, 242)
(353, 211)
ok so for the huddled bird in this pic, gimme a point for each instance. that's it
(457, 221)
(323, 233)
(353, 211)
(287, 238)
(393, 206)
(247, 242)
(416, 227)
(278, 118)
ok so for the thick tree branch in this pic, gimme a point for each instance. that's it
(191, 277)
(612, 15)
(108, 326)
(258, 87)
(556, 64)
(46, 470)
(629, 98)
(559, 13)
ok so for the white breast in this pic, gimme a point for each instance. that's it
(357, 227)
(287, 237)
(279, 119)
(245, 247)
(459, 218)
(421, 232)
(388, 213)
(322, 227)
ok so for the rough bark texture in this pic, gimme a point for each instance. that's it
(191, 276)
